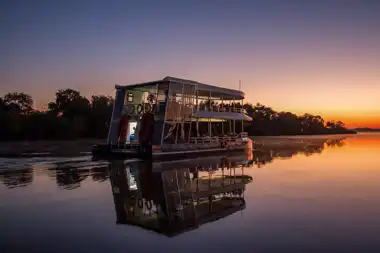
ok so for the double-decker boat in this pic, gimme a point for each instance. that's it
(177, 117)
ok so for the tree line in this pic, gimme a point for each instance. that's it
(69, 116)
(267, 121)
(73, 116)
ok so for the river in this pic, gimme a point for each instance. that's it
(284, 198)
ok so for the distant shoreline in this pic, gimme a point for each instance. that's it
(366, 130)
(80, 147)
(306, 135)
(36, 148)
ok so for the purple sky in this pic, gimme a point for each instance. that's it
(304, 56)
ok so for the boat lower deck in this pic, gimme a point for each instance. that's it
(113, 151)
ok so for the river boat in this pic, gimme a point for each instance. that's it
(175, 117)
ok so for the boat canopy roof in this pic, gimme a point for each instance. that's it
(203, 89)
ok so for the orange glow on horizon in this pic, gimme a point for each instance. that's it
(364, 141)
(321, 58)
(361, 115)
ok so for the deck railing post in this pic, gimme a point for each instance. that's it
(209, 119)
(156, 105)
(234, 119)
(179, 119)
(197, 119)
(165, 114)
(192, 110)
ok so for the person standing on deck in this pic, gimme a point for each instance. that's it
(123, 127)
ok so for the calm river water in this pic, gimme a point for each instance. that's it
(281, 198)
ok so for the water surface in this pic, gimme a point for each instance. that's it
(324, 197)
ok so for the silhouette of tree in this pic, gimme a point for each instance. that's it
(335, 125)
(2, 105)
(17, 178)
(99, 174)
(99, 116)
(72, 116)
(339, 124)
(63, 98)
(18, 102)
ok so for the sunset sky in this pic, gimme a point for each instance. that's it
(320, 57)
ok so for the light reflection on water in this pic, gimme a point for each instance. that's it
(284, 196)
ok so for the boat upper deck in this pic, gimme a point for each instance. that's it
(202, 90)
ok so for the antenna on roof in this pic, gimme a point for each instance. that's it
(239, 85)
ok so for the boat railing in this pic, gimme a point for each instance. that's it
(204, 139)
(231, 109)
(221, 109)
(244, 135)
(217, 139)
(230, 137)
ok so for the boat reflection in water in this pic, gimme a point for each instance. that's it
(173, 197)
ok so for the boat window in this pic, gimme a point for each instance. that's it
(161, 97)
(180, 102)
(129, 97)
(162, 91)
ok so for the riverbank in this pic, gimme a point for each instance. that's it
(47, 148)
(295, 141)
(70, 148)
